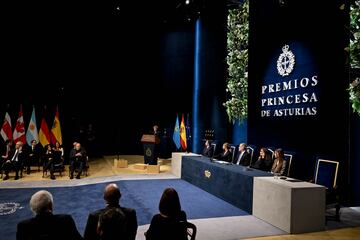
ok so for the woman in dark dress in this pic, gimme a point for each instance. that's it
(264, 161)
(168, 223)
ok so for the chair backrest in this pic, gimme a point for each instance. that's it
(213, 145)
(250, 150)
(191, 230)
(271, 152)
(288, 158)
(233, 152)
(326, 173)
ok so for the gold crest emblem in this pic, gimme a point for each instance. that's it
(207, 173)
(148, 152)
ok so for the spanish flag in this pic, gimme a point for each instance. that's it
(183, 133)
(44, 134)
(56, 129)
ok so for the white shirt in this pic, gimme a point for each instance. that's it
(238, 161)
(16, 156)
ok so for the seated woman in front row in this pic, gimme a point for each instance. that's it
(167, 224)
(226, 154)
(279, 164)
(264, 161)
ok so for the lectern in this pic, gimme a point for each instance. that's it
(149, 142)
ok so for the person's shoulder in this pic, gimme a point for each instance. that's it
(63, 217)
(97, 213)
(128, 211)
(26, 222)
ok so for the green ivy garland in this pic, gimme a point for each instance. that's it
(354, 89)
(237, 61)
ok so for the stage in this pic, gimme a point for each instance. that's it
(142, 191)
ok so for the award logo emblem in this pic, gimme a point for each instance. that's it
(9, 208)
(286, 61)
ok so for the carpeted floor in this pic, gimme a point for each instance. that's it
(143, 195)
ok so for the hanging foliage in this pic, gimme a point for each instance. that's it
(237, 61)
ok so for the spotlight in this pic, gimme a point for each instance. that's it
(187, 2)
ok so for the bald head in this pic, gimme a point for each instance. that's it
(112, 194)
(41, 202)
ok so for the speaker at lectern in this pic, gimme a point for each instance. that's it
(149, 141)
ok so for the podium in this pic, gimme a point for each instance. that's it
(150, 143)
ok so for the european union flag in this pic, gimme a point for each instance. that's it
(176, 135)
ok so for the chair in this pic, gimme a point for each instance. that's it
(233, 152)
(288, 158)
(250, 150)
(271, 151)
(326, 175)
(191, 230)
(213, 145)
(85, 170)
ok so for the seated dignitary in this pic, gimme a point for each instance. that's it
(77, 160)
(49, 161)
(33, 156)
(167, 224)
(264, 161)
(208, 150)
(15, 161)
(279, 164)
(46, 225)
(6, 151)
(243, 157)
(113, 221)
(226, 154)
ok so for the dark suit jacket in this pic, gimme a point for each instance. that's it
(208, 151)
(48, 227)
(21, 156)
(245, 158)
(92, 223)
(81, 158)
(225, 156)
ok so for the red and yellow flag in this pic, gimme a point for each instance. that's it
(56, 129)
(183, 133)
(44, 134)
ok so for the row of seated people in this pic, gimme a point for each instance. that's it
(111, 222)
(266, 161)
(22, 156)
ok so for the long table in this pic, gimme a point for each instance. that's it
(232, 183)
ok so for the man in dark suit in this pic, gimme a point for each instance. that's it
(157, 135)
(15, 161)
(127, 227)
(77, 160)
(208, 150)
(45, 225)
(243, 157)
(33, 156)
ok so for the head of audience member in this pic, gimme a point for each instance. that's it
(111, 224)
(169, 205)
(156, 128)
(18, 145)
(263, 153)
(33, 143)
(226, 146)
(57, 145)
(112, 194)
(77, 146)
(242, 147)
(279, 154)
(41, 202)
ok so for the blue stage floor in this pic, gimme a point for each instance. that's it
(142, 195)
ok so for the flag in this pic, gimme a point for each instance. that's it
(19, 131)
(188, 132)
(56, 129)
(176, 135)
(44, 134)
(6, 131)
(183, 133)
(32, 132)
